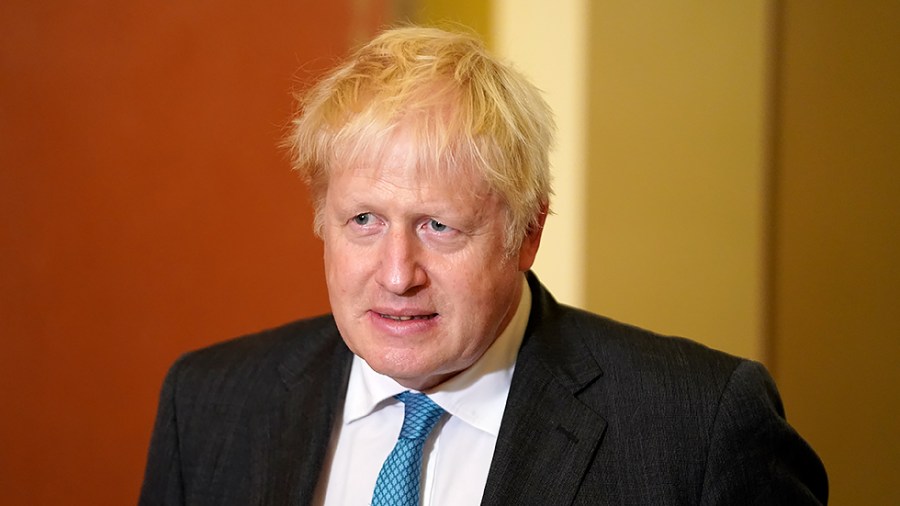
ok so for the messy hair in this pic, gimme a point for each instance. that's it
(466, 110)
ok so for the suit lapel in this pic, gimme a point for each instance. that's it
(292, 438)
(548, 436)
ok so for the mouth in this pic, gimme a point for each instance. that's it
(405, 318)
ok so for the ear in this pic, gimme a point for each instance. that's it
(531, 242)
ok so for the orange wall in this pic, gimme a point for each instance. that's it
(146, 210)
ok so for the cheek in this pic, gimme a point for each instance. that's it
(336, 255)
(346, 268)
(484, 273)
(481, 293)
(337, 277)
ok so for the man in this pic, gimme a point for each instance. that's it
(427, 160)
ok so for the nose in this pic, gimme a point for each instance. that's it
(401, 269)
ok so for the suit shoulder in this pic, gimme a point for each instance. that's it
(655, 377)
(309, 332)
(623, 348)
(253, 362)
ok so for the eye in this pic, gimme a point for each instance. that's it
(362, 218)
(437, 226)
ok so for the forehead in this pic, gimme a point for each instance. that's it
(408, 163)
(400, 186)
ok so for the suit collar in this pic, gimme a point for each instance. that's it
(548, 436)
(292, 438)
(315, 355)
(551, 341)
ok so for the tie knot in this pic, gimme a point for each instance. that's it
(420, 416)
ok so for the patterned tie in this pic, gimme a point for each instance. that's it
(398, 481)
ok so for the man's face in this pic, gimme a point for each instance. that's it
(418, 280)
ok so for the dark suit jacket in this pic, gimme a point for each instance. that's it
(598, 413)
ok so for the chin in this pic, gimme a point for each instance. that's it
(407, 372)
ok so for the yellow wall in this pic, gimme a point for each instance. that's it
(676, 182)
(740, 183)
(472, 14)
(837, 279)
(660, 166)
(547, 41)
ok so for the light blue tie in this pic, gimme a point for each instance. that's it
(398, 481)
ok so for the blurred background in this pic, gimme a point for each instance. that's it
(728, 171)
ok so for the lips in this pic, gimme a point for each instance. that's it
(405, 318)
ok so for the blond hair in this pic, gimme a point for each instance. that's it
(467, 111)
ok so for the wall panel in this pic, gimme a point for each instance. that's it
(837, 279)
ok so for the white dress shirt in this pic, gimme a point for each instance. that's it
(457, 455)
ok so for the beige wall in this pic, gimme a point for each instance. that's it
(677, 163)
(837, 280)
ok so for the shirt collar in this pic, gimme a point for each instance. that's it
(477, 396)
